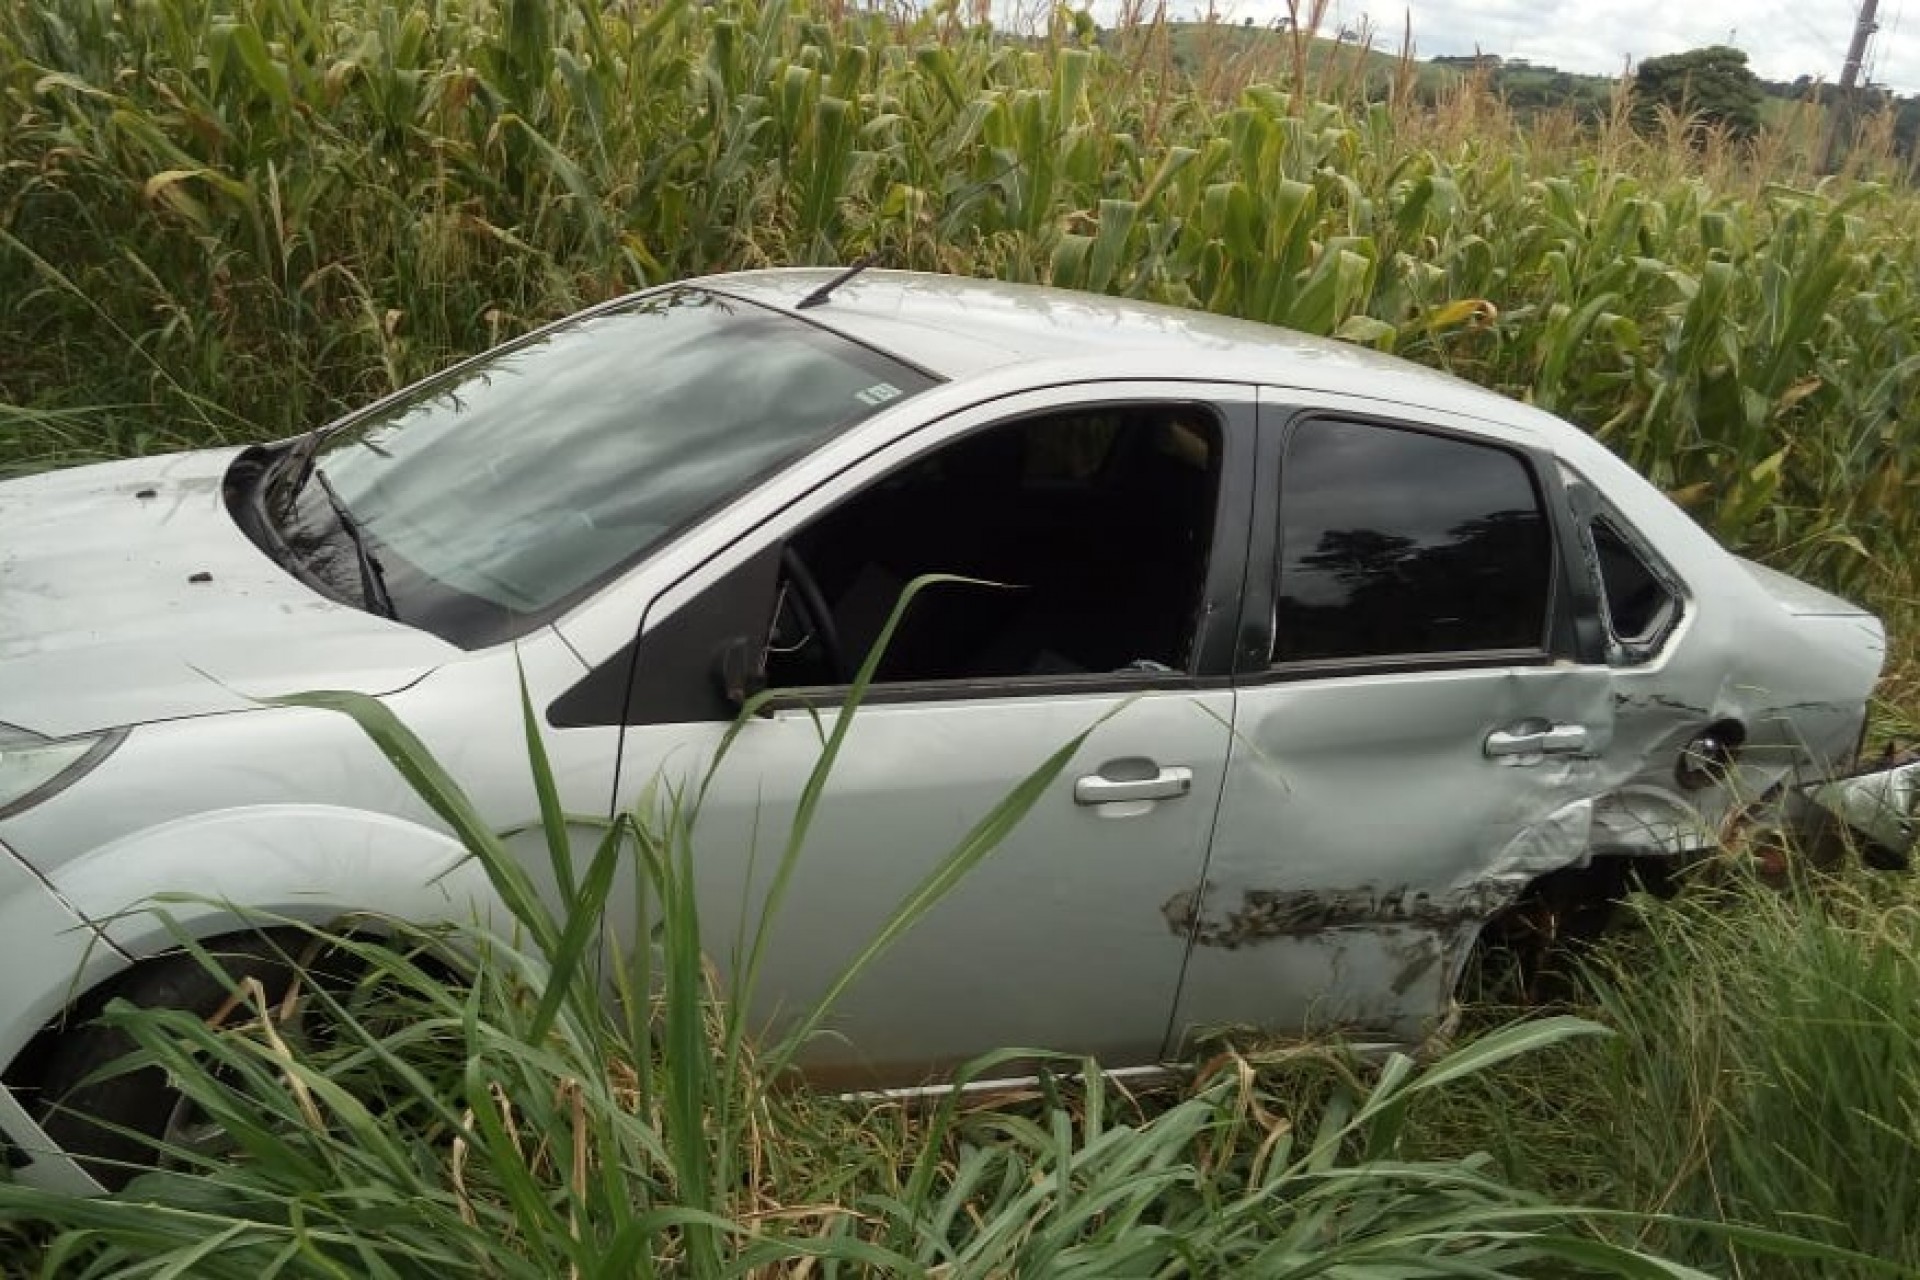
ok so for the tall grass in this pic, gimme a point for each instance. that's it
(1791, 1088)
(494, 1100)
(521, 1123)
(1765, 1070)
(224, 220)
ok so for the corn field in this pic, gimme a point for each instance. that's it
(230, 219)
(227, 220)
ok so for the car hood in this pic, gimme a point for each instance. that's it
(128, 594)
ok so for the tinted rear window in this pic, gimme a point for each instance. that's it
(1398, 542)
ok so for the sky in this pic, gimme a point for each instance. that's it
(1782, 38)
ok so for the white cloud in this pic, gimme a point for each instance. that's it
(1782, 38)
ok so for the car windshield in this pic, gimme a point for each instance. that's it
(501, 493)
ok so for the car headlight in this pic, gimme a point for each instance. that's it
(33, 768)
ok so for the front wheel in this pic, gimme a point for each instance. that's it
(119, 1124)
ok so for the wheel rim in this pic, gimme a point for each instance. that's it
(189, 1136)
(188, 1132)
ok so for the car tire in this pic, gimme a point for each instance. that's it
(113, 1126)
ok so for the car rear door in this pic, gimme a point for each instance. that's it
(1423, 711)
(1060, 939)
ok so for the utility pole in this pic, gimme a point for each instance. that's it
(1857, 51)
(1863, 30)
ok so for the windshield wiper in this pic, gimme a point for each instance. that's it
(373, 578)
(293, 468)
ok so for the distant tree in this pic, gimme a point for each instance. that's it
(1713, 85)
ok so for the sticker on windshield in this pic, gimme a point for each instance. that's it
(878, 393)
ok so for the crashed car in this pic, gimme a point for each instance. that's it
(1370, 656)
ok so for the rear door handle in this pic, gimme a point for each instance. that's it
(1537, 738)
(1165, 785)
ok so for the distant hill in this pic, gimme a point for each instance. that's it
(1197, 47)
(1528, 88)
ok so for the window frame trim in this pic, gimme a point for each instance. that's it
(831, 697)
(1586, 505)
(1572, 630)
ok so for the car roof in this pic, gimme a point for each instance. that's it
(958, 327)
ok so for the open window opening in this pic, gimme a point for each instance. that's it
(1096, 524)
(1641, 605)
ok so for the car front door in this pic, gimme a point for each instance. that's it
(1114, 522)
(1423, 721)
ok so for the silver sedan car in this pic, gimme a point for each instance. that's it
(1376, 660)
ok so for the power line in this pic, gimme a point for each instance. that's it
(1810, 31)
(1889, 33)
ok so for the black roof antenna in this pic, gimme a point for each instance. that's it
(825, 291)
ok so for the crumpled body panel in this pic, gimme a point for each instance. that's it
(1880, 807)
(1366, 837)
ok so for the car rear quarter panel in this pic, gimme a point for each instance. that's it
(1797, 683)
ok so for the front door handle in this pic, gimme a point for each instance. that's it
(1537, 738)
(1164, 785)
